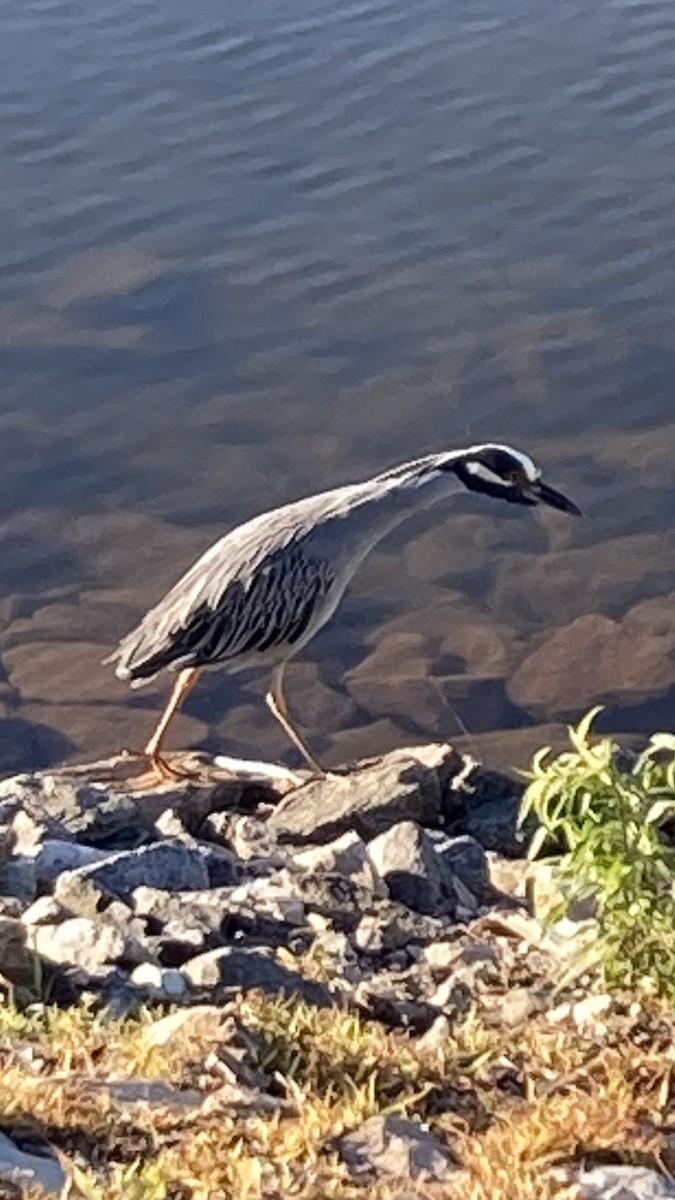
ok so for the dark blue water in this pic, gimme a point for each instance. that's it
(245, 257)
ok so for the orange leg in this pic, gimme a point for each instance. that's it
(185, 681)
(276, 703)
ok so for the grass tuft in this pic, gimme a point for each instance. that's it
(610, 818)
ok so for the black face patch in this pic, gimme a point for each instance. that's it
(500, 463)
(512, 492)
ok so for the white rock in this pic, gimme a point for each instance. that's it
(613, 1182)
(440, 956)
(78, 942)
(166, 981)
(200, 1020)
(43, 911)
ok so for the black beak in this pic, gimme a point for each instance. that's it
(548, 495)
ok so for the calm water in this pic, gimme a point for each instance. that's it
(243, 258)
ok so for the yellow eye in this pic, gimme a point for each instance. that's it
(516, 477)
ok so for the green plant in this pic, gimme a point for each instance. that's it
(608, 816)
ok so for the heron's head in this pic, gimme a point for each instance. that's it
(509, 474)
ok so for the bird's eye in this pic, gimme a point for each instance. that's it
(515, 476)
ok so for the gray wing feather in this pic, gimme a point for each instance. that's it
(255, 589)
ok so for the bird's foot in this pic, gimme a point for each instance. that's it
(159, 769)
(164, 771)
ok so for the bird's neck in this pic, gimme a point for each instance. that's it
(388, 500)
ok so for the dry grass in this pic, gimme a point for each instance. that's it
(509, 1107)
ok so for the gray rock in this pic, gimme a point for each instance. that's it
(465, 858)
(246, 970)
(278, 897)
(7, 842)
(53, 856)
(340, 900)
(396, 997)
(249, 837)
(495, 825)
(18, 878)
(391, 927)
(152, 1093)
(80, 895)
(107, 803)
(169, 866)
(78, 942)
(181, 941)
(414, 873)
(512, 1009)
(394, 1146)
(17, 962)
(28, 1170)
(63, 803)
(405, 785)
(614, 1182)
(347, 856)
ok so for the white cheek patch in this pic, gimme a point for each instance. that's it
(484, 473)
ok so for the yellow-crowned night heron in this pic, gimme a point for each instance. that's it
(261, 593)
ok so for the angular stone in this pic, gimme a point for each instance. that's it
(204, 909)
(494, 825)
(512, 1009)
(465, 859)
(18, 878)
(201, 1021)
(394, 1147)
(64, 805)
(110, 803)
(78, 942)
(246, 970)
(17, 962)
(414, 873)
(618, 1182)
(248, 837)
(169, 866)
(347, 856)
(7, 843)
(179, 942)
(392, 927)
(55, 855)
(151, 1093)
(404, 785)
(440, 957)
(28, 1171)
(338, 899)
(385, 1002)
(43, 911)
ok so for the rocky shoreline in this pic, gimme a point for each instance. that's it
(398, 892)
